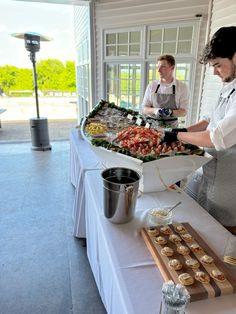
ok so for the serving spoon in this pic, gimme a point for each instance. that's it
(170, 210)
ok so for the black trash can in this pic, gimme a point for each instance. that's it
(39, 134)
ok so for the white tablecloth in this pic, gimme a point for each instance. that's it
(82, 159)
(127, 278)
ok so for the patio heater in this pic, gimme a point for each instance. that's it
(38, 125)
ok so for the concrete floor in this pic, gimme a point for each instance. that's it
(43, 268)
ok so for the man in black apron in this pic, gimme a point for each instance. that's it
(218, 134)
(166, 99)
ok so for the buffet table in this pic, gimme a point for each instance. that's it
(127, 278)
(82, 159)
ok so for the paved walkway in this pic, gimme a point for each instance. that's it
(19, 131)
(43, 269)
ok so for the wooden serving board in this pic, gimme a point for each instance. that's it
(197, 290)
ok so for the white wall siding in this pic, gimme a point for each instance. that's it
(81, 23)
(82, 33)
(197, 84)
(123, 13)
(130, 12)
(223, 14)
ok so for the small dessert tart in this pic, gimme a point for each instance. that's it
(153, 231)
(207, 260)
(175, 264)
(180, 229)
(218, 275)
(192, 263)
(196, 248)
(202, 277)
(183, 250)
(166, 230)
(186, 279)
(187, 237)
(167, 251)
(160, 240)
(175, 238)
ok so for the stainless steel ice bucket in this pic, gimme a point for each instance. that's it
(120, 186)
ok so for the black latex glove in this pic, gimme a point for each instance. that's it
(170, 137)
(179, 130)
(166, 112)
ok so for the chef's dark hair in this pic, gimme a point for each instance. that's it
(169, 58)
(221, 45)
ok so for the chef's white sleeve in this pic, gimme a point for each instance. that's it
(223, 136)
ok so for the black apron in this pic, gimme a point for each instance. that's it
(217, 191)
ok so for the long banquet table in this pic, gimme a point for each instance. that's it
(82, 159)
(126, 276)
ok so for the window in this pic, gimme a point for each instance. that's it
(170, 40)
(130, 58)
(123, 85)
(182, 72)
(83, 78)
(123, 44)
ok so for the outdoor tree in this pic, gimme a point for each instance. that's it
(49, 74)
(24, 80)
(7, 77)
(52, 75)
(68, 77)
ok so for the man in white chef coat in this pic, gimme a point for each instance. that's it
(217, 134)
(166, 99)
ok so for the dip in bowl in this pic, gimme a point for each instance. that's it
(159, 216)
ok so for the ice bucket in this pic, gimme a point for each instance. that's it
(120, 186)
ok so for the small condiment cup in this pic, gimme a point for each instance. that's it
(159, 216)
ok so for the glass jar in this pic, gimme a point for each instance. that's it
(170, 309)
(159, 216)
(175, 298)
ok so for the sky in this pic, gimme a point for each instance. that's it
(52, 20)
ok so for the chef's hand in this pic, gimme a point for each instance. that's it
(169, 137)
(164, 112)
(179, 130)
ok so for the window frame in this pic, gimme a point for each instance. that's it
(194, 24)
(145, 59)
(123, 30)
(122, 63)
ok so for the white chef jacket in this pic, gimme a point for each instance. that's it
(181, 93)
(222, 124)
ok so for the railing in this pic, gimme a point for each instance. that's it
(48, 93)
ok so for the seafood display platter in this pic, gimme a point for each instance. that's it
(156, 175)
